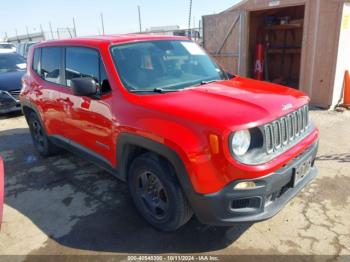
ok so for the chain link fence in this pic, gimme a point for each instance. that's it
(195, 34)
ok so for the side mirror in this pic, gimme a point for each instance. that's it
(229, 75)
(84, 86)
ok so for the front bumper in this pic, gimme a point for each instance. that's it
(9, 103)
(272, 193)
(14, 108)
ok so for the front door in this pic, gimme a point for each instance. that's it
(88, 120)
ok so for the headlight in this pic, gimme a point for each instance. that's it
(240, 142)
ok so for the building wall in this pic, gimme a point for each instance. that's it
(320, 72)
(343, 57)
(225, 46)
(320, 53)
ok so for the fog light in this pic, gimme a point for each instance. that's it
(245, 185)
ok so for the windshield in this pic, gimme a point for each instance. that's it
(164, 64)
(11, 62)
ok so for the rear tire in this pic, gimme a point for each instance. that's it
(157, 194)
(41, 141)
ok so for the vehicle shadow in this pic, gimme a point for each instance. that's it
(10, 115)
(341, 158)
(128, 234)
(81, 206)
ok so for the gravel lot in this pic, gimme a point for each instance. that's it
(65, 205)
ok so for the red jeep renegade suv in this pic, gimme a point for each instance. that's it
(185, 135)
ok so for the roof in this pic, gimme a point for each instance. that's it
(259, 4)
(235, 6)
(110, 39)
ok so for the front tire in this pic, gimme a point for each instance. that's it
(40, 139)
(157, 194)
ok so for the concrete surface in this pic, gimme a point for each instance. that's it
(64, 205)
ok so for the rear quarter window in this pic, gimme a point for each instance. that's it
(36, 60)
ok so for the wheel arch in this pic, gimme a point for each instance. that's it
(28, 107)
(130, 146)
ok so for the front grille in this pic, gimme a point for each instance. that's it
(286, 129)
(15, 94)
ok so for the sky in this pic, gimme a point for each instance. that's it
(119, 16)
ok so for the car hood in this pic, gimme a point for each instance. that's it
(235, 104)
(11, 80)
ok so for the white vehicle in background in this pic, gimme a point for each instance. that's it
(23, 48)
(7, 48)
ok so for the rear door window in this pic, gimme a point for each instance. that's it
(51, 64)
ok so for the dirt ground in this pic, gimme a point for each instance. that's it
(65, 205)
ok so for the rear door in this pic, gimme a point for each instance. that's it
(46, 87)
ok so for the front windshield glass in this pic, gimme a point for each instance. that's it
(11, 62)
(164, 64)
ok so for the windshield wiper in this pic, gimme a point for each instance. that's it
(206, 82)
(155, 90)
